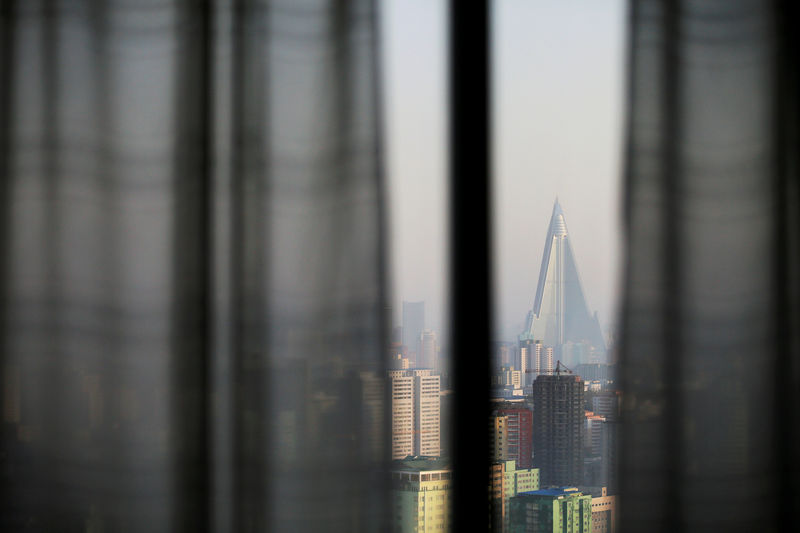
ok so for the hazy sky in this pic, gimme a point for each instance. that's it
(558, 91)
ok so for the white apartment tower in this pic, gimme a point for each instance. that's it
(416, 417)
(536, 360)
(402, 386)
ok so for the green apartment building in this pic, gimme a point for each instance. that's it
(507, 482)
(519, 480)
(516, 481)
(562, 510)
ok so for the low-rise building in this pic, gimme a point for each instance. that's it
(561, 510)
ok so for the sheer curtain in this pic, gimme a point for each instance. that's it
(710, 325)
(192, 266)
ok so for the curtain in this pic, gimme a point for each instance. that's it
(710, 357)
(191, 266)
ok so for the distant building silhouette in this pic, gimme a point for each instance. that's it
(426, 357)
(560, 315)
(413, 324)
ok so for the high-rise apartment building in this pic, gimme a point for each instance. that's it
(416, 413)
(446, 417)
(558, 418)
(560, 510)
(536, 359)
(593, 434)
(546, 359)
(511, 377)
(518, 428)
(427, 413)
(607, 404)
(598, 457)
(498, 437)
(525, 362)
(413, 324)
(506, 482)
(421, 495)
(497, 495)
(402, 391)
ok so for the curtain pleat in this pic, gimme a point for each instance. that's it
(192, 272)
(709, 341)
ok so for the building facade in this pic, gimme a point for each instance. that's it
(416, 413)
(507, 482)
(516, 481)
(519, 429)
(402, 391)
(498, 496)
(558, 418)
(427, 413)
(607, 404)
(537, 359)
(498, 437)
(604, 513)
(421, 497)
(561, 510)
(593, 434)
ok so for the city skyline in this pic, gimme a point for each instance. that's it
(557, 131)
(575, 320)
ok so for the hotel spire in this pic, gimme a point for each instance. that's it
(560, 314)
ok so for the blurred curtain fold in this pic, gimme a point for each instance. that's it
(711, 316)
(192, 266)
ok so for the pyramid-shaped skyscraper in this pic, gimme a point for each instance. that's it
(560, 314)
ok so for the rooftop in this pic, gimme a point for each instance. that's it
(421, 463)
(560, 491)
